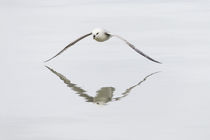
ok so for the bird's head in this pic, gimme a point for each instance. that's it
(99, 34)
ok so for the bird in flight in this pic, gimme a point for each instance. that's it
(102, 35)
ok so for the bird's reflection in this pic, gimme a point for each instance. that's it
(103, 96)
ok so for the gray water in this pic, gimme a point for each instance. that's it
(104, 90)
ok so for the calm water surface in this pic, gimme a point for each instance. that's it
(105, 90)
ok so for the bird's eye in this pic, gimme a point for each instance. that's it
(96, 33)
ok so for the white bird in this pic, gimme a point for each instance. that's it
(102, 35)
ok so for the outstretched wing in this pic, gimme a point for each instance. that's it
(72, 43)
(73, 86)
(137, 50)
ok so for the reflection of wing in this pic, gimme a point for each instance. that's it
(124, 94)
(137, 50)
(72, 43)
(73, 86)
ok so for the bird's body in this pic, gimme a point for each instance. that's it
(102, 35)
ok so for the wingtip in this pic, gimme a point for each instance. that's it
(156, 72)
(46, 66)
(156, 61)
(47, 60)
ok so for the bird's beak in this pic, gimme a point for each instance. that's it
(94, 36)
